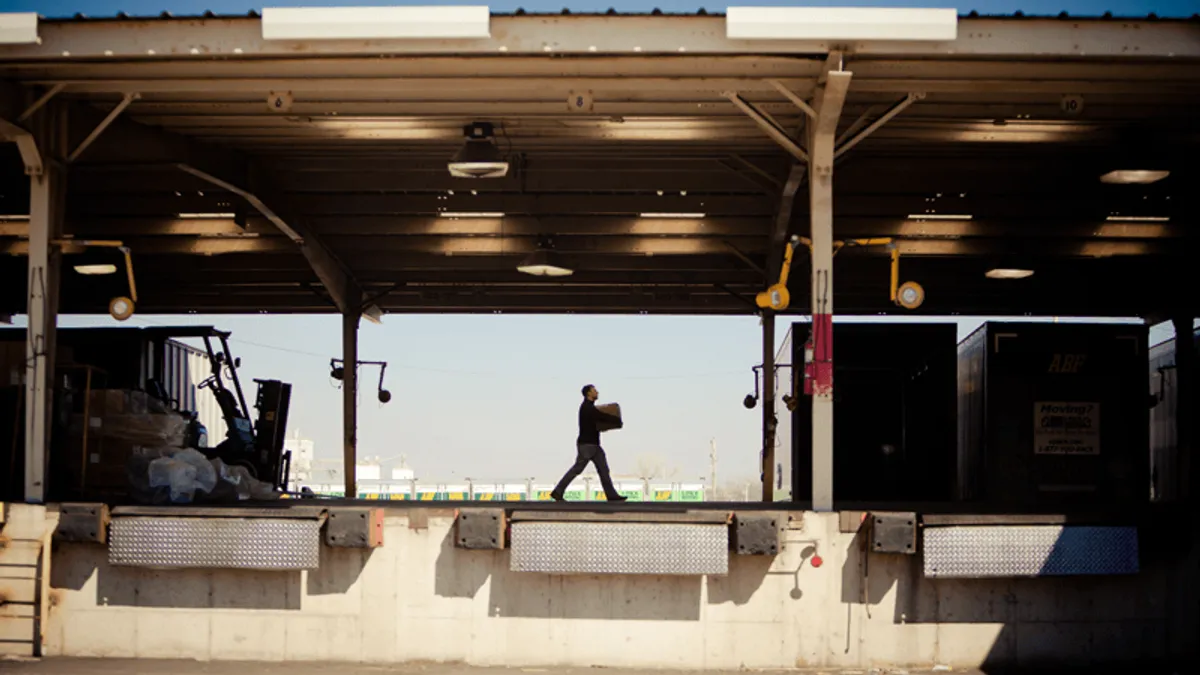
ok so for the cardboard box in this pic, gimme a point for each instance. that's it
(150, 430)
(110, 402)
(610, 409)
(105, 402)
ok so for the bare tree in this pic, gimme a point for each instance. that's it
(744, 489)
(654, 467)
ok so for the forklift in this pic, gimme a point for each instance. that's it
(141, 359)
(256, 446)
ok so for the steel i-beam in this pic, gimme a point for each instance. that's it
(26, 145)
(350, 403)
(883, 119)
(768, 125)
(104, 123)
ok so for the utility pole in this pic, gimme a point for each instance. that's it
(712, 464)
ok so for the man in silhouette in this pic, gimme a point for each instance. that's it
(587, 448)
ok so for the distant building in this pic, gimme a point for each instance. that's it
(302, 459)
(404, 486)
(325, 477)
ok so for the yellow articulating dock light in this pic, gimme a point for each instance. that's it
(120, 307)
(776, 297)
(909, 295)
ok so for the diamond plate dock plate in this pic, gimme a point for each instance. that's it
(1029, 551)
(620, 548)
(234, 543)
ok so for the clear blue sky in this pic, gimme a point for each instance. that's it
(58, 8)
(494, 397)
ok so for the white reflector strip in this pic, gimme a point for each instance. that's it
(840, 23)
(18, 28)
(376, 23)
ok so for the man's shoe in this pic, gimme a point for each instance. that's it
(618, 498)
(557, 497)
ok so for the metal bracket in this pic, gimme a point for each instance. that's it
(894, 533)
(768, 125)
(354, 528)
(83, 523)
(258, 204)
(794, 98)
(37, 105)
(25, 144)
(104, 124)
(480, 529)
(756, 534)
(883, 119)
(753, 173)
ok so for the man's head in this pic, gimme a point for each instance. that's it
(590, 393)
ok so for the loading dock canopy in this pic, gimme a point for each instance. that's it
(252, 173)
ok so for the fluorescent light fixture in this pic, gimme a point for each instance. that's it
(18, 28)
(206, 216)
(1008, 273)
(14, 218)
(672, 215)
(544, 263)
(376, 23)
(940, 216)
(471, 214)
(841, 23)
(96, 270)
(1138, 219)
(1133, 177)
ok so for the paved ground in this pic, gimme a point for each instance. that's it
(149, 667)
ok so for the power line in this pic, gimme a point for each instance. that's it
(277, 348)
(471, 373)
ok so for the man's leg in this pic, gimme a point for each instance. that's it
(577, 468)
(601, 462)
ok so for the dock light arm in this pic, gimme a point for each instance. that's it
(910, 294)
(776, 297)
(337, 370)
(120, 307)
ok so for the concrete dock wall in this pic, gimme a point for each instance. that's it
(419, 598)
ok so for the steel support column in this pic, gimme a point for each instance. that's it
(1186, 480)
(1184, 606)
(768, 406)
(350, 401)
(779, 232)
(47, 201)
(828, 101)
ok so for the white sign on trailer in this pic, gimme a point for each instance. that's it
(1066, 428)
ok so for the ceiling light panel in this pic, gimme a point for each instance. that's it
(841, 23)
(376, 23)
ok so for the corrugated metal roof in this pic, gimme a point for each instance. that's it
(165, 15)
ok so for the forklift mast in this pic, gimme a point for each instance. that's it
(257, 446)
